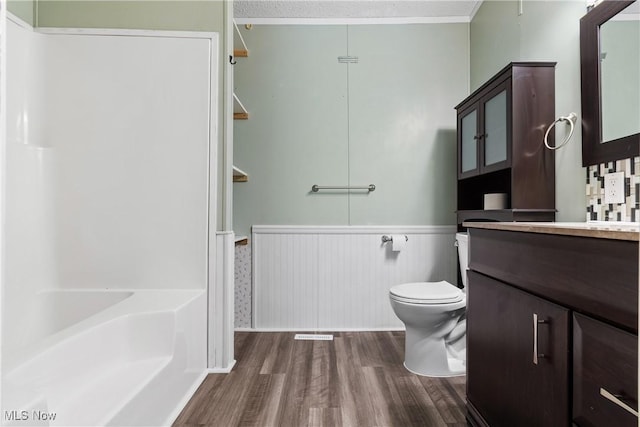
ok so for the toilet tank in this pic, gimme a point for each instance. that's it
(462, 241)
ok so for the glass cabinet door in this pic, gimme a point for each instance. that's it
(495, 129)
(469, 138)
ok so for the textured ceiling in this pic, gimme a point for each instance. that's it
(339, 9)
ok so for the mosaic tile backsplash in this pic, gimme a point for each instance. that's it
(597, 210)
(242, 275)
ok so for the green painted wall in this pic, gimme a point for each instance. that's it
(23, 9)
(387, 120)
(132, 14)
(545, 31)
(491, 50)
(296, 134)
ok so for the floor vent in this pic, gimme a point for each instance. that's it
(314, 337)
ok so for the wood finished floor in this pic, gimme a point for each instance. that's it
(355, 380)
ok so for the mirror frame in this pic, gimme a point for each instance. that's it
(593, 150)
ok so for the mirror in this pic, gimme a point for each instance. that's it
(610, 66)
(619, 71)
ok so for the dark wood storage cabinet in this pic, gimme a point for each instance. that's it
(500, 145)
(571, 302)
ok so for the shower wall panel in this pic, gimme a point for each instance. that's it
(28, 263)
(128, 123)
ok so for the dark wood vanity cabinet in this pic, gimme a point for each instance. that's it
(605, 366)
(500, 134)
(516, 355)
(552, 336)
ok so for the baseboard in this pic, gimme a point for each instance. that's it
(473, 416)
(225, 370)
(319, 330)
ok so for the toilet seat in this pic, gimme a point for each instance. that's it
(441, 292)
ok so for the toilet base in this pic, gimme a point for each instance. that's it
(429, 355)
(457, 368)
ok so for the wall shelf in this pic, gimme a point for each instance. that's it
(239, 112)
(239, 46)
(239, 175)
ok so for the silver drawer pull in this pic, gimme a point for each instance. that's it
(536, 322)
(616, 399)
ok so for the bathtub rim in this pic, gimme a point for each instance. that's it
(141, 301)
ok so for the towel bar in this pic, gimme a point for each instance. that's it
(315, 187)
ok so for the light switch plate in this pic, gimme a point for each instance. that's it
(614, 187)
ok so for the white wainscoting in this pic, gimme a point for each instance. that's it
(338, 278)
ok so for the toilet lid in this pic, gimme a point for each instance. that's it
(426, 293)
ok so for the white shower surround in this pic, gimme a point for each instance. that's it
(329, 278)
(111, 157)
(3, 145)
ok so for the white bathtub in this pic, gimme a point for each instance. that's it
(135, 361)
(49, 312)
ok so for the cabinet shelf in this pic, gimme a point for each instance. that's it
(239, 175)
(239, 112)
(239, 46)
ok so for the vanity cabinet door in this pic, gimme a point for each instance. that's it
(517, 356)
(605, 371)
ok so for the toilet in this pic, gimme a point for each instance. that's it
(433, 314)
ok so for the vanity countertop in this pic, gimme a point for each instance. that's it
(598, 229)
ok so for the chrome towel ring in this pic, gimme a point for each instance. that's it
(571, 119)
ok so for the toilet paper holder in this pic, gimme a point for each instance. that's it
(386, 238)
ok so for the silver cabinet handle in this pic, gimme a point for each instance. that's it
(536, 322)
(616, 399)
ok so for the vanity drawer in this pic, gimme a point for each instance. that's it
(598, 277)
(605, 359)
